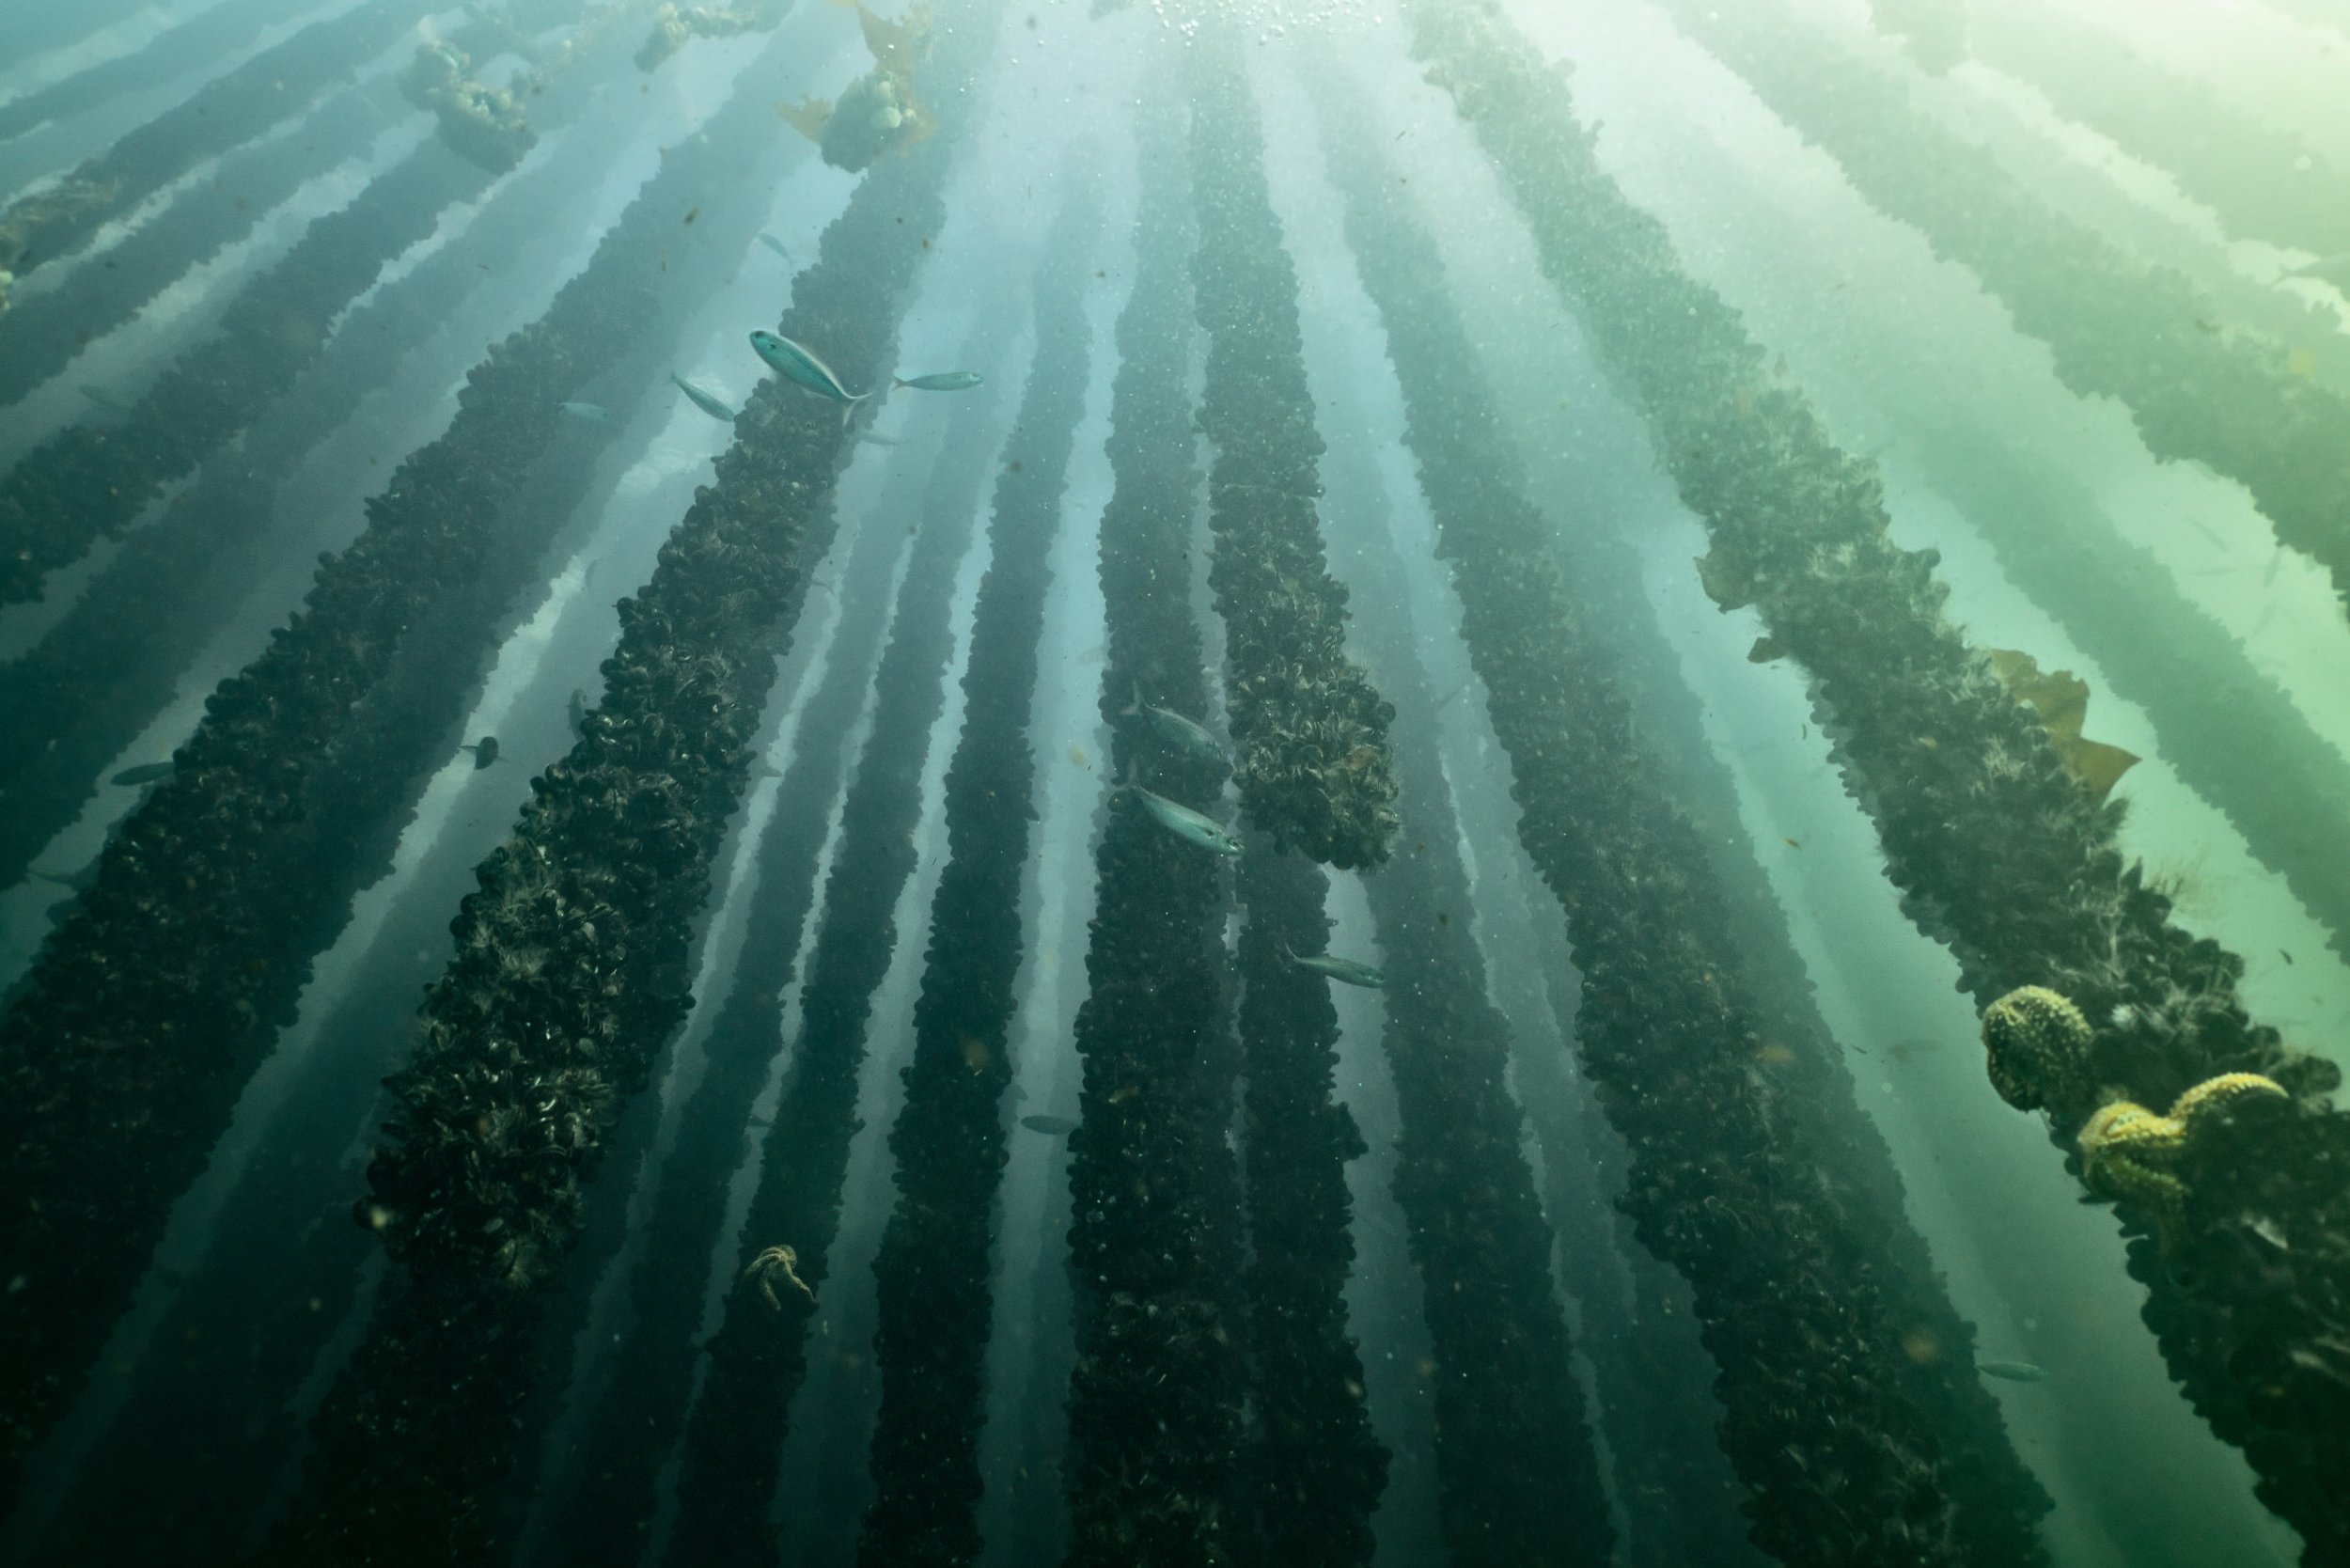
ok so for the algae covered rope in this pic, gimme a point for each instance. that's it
(111, 665)
(1310, 730)
(1998, 849)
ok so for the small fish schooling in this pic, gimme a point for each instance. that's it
(800, 367)
(1185, 823)
(2013, 1372)
(945, 381)
(1343, 970)
(718, 408)
(1172, 728)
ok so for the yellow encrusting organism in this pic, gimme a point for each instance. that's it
(2039, 1048)
(2127, 1152)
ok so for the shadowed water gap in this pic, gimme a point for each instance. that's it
(570, 973)
(1154, 1399)
(933, 1269)
(2001, 853)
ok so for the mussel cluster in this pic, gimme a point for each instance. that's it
(485, 125)
(675, 26)
(1997, 850)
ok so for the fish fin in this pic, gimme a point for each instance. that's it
(895, 381)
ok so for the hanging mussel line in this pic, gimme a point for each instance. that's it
(2226, 728)
(1311, 1472)
(570, 973)
(2214, 1137)
(2115, 327)
(89, 481)
(228, 111)
(1154, 1401)
(1821, 1407)
(639, 1409)
(1308, 731)
(1518, 1468)
(933, 1271)
(111, 665)
(123, 1064)
(736, 1428)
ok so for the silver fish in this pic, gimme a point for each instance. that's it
(803, 369)
(872, 438)
(485, 751)
(1058, 1126)
(2013, 1371)
(1344, 970)
(775, 244)
(945, 381)
(710, 403)
(1185, 823)
(593, 412)
(1182, 734)
(146, 773)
